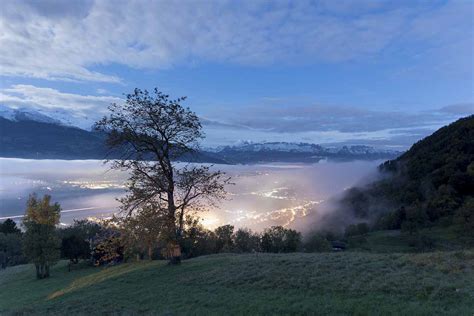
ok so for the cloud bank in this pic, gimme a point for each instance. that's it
(283, 122)
(71, 40)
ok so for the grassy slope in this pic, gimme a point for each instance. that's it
(390, 241)
(330, 283)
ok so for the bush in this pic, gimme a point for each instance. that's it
(75, 248)
(11, 250)
(421, 242)
(198, 241)
(279, 239)
(357, 229)
(107, 247)
(317, 243)
(224, 238)
(246, 241)
(464, 217)
(9, 227)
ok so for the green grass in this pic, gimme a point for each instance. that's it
(395, 241)
(350, 283)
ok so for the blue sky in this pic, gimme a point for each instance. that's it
(384, 73)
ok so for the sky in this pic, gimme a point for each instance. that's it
(382, 73)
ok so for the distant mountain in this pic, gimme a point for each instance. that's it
(20, 114)
(33, 139)
(54, 116)
(45, 140)
(432, 183)
(271, 146)
(31, 134)
(298, 152)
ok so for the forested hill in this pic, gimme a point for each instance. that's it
(432, 183)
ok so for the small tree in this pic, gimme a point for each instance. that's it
(41, 243)
(279, 239)
(273, 239)
(151, 132)
(416, 218)
(317, 243)
(143, 231)
(356, 229)
(108, 247)
(246, 241)
(11, 250)
(9, 227)
(85, 229)
(292, 240)
(224, 238)
(74, 248)
(197, 240)
(464, 217)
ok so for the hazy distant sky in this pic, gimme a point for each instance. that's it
(375, 72)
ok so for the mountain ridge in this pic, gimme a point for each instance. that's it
(430, 184)
(24, 136)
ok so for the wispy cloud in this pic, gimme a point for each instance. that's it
(331, 124)
(277, 122)
(80, 110)
(67, 40)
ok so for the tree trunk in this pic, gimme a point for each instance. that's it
(46, 270)
(181, 224)
(38, 272)
(172, 232)
(150, 252)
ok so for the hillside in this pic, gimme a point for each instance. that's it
(326, 283)
(432, 183)
(42, 140)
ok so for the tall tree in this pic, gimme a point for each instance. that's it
(151, 132)
(41, 243)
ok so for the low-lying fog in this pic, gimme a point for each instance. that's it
(263, 195)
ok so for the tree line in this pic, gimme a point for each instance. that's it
(138, 237)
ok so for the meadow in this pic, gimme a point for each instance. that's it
(345, 283)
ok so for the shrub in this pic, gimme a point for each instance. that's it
(279, 239)
(246, 241)
(317, 243)
(11, 250)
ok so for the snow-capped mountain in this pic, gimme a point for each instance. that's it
(249, 152)
(359, 150)
(22, 114)
(271, 146)
(309, 148)
(24, 129)
(53, 116)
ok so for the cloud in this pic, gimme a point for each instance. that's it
(267, 122)
(460, 108)
(76, 109)
(289, 118)
(329, 124)
(60, 40)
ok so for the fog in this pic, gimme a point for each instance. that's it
(293, 195)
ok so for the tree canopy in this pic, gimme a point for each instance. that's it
(41, 243)
(152, 131)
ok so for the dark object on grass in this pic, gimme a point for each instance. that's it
(338, 245)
